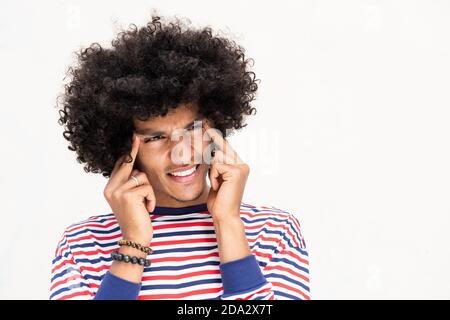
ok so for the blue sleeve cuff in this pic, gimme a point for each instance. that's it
(115, 288)
(241, 275)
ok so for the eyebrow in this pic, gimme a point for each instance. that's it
(152, 132)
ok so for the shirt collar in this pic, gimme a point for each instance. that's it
(181, 210)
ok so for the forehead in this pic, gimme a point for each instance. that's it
(175, 118)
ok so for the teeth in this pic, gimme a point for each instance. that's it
(183, 173)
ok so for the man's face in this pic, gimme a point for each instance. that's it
(172, 143)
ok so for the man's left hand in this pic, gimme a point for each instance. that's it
(228, 176)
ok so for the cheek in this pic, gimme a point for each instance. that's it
(153, 169)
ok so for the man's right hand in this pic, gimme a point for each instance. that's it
(130, 203)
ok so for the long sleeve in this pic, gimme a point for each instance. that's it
(288, 269)
(67, 281)
(284, 277)
(277, 267)
(116, 288)
(242, 279)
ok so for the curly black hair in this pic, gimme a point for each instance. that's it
(148, 71)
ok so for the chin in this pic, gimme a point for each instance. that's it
(189, 193)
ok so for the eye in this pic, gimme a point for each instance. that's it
(155, 138)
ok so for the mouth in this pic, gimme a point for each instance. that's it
(185, 176)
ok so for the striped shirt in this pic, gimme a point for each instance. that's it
(185, 260)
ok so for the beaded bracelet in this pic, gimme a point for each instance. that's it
(135, 245)
(116, 255)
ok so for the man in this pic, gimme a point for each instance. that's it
(150, 114)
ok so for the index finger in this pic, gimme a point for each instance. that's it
(220, 142)
(122, 170)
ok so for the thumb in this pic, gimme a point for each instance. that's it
(211, 195)
(150, 200)
(150, 204)
(213, 175)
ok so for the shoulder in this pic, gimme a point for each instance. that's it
(91, 229)
(269, 219)
(266, 211)
(98, 223)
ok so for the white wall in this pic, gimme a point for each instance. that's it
(353, 94)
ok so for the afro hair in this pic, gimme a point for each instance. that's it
(146, 72)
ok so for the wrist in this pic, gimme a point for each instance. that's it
(234, 222)
(141, 239)
(132, 252)
(231, 239)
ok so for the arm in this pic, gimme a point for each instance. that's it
(288, 268)
(242, 279)
(123, 280)
(131, 201)
(237, 260)
(67, 281)
(286, 273)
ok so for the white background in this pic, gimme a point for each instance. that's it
(353, 113)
